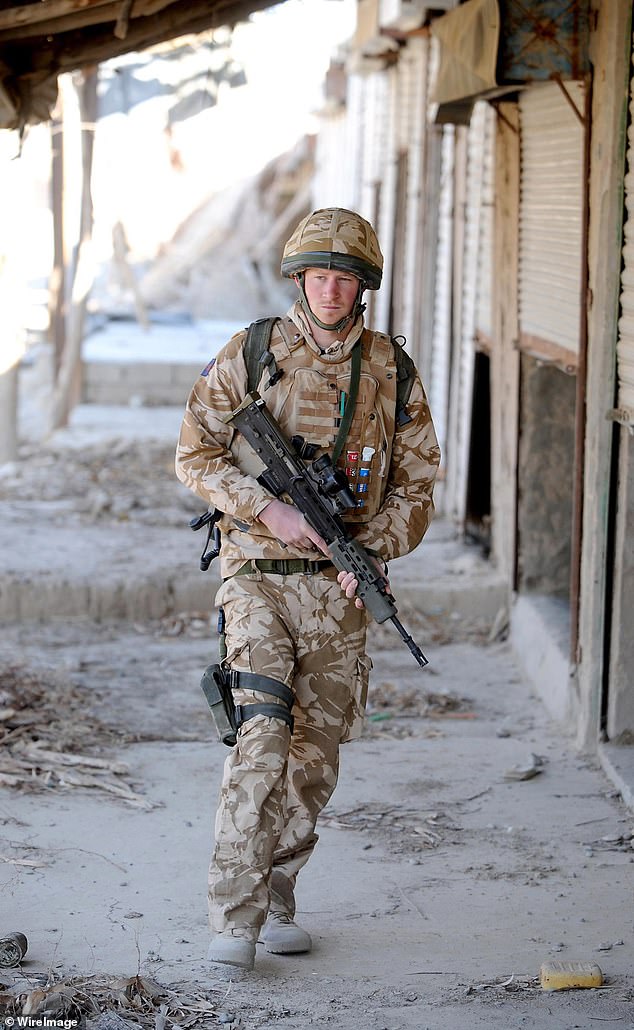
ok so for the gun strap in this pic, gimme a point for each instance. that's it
(351, 400)
(405, 376)
(257, 354)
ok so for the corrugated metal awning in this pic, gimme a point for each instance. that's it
(492, 47)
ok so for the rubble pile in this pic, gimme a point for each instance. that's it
(113, 481)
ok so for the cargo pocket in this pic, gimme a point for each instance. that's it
(353, 722)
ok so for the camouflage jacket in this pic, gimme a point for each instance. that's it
(390, 468)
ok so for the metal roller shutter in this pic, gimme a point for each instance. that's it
(441, 338)
(484, 299)
(551, 209)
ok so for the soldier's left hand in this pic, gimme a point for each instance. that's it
(349, 583)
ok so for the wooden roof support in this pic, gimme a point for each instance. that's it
(56, 52)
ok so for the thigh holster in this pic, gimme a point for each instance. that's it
(218, 684)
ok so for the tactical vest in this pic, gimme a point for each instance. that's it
(314, 397)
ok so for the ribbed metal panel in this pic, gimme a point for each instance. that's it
(625, 344)
(387, 113)
(441, 341)
(461, 388)
(551, 206)
(418, 51)
(410, 127)
(484, 298)
(330, 184)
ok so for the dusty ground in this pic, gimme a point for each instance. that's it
(440, 883)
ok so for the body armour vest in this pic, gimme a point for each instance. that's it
(308, 399)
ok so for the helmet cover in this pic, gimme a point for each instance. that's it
(334, 237)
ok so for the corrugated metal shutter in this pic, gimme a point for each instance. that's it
(461, 395)
(625, 344)
(385, 185)
(484, 298)
(441, 339)
(551, 207)
(410, 105)
(332, 182)
(418, 51)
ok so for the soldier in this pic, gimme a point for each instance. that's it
(292, 628)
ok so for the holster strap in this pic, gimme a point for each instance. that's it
(244, 712)
(284, 566)
(266, 685)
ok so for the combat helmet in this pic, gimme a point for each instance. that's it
(334, 237)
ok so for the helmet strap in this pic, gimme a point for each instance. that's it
(335, 327)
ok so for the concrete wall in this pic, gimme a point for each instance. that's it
(144, 382)
(546, 472)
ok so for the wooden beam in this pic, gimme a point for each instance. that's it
(549, 353)
(93, 44)
(79, 17)
(13, 17)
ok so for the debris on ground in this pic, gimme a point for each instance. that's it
(46, 732)
(147, 1003)
(402, 830)
(388, 703)
(185, 624)
(526, 770)
(13, 948)
(101, 483)
(508, 985)
(614, 842)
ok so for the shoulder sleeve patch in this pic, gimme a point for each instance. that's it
(207, 369)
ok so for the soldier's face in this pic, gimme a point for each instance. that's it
(331, 294)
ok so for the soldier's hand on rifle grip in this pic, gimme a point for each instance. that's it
(349, 583)
(288, 524)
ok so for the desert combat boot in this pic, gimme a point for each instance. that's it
(280, 934)
(231, 954)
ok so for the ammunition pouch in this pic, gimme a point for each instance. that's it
(218, 684)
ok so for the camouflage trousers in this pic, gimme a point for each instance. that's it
(302, 631)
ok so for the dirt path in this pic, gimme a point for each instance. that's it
(439, 884)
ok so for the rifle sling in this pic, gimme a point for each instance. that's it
(351, 400)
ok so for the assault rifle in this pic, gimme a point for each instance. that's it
(322, 494)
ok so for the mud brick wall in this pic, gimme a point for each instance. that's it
(546, 478)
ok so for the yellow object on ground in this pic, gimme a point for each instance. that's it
(565, 976)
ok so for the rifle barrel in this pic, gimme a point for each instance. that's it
(411, 643)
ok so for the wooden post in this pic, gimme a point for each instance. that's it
(57, 284)
(610, 52)
(68, 383)
(505, 364)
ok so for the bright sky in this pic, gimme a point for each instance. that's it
(285, 52)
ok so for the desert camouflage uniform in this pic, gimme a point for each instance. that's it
(299, 629)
